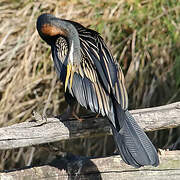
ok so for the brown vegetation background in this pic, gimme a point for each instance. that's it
(144, 37)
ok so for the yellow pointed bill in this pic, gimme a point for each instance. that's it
(69, 75)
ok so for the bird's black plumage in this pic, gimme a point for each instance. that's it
(99, 87)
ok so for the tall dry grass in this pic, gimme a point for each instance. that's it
(143, 37)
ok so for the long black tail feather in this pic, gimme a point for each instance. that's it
(133, 144)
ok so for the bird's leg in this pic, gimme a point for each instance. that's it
(75, 112)
(76, 116)
(72, 111)
(73, 105)
(97, 115)
(65, 116)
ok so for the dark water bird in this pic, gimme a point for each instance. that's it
(94, 78)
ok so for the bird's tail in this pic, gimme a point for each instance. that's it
(133, 144)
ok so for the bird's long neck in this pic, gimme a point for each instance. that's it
(49, 26)
(73, 40)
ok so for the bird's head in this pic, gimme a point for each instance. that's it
(49, 28)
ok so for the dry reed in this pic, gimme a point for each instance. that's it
(27, 78)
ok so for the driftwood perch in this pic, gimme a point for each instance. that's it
(74, 167)
(108, 168)
(51, 129)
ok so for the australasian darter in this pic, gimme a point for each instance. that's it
(94, 78)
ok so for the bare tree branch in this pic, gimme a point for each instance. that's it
(51, 129)
(113, 168)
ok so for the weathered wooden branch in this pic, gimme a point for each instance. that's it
(51, 129)
(100, 168)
